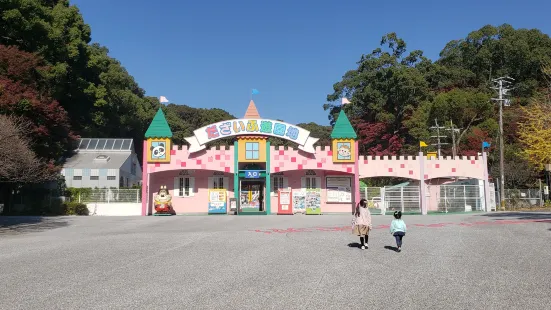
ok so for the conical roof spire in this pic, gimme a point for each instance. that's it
(159, 127)
(251, 112)
(343, 129)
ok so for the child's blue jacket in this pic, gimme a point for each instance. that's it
(397, 225)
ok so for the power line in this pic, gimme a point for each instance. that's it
(501, 86)
(438, 136)
(453, 132)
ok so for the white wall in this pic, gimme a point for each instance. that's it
(115, 209)
(126, 169)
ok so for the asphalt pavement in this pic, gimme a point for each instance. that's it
(477, 261)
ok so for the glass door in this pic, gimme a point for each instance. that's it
(251, 196)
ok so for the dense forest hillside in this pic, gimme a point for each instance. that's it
(62, 85)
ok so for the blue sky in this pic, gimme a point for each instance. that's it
(212, 53)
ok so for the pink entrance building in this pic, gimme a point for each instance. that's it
(250, 176)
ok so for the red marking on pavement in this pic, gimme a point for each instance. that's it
(384, 226)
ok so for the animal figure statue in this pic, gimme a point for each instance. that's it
(163, 201)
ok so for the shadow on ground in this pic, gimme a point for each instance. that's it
(354, 245)
(392, 248)
(29, 224)
(520, 215)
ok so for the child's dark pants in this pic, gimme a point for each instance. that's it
(399, 235)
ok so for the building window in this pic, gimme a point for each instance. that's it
(251, 150)
(94, 178)
(184, 186)
(111, 178)
(311, 182)
(277, 184)
(218, 183)
(133, 169)
(77, 178)
(121, 182)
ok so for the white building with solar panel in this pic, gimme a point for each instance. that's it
(103, 163)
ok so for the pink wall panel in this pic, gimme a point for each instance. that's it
(182, 205)
(409, 167)
(214, 159)
(295, 159)
(294, 178)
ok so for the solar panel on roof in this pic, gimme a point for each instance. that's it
(126, 144)
(83, 144)
(118, 144)
(92, 145)
(101, 144)
(109, 144)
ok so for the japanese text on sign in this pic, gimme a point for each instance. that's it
(264, 127)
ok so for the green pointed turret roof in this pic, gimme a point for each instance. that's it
(343, 129)
(159, 127)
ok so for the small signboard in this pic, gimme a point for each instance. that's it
(299, 197)
(313, 201)
(284, 202)
(233, 204)
(217, 201)
(252, 174)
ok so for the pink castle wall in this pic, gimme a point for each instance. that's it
(214, 159)
(295, 159)
(196, 204)
(294, 178)
(409, 167)
(294, 163)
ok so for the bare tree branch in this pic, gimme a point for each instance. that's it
(19, 164)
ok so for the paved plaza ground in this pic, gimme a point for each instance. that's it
(479, 261)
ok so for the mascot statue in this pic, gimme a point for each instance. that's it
(163, 202)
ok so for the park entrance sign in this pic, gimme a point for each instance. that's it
(261, 127)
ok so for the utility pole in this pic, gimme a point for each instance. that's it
(453, 131)
(438, 136)
(501, 84)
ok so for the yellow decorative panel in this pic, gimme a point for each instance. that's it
(344, 151)
(252, 150)
(158, 150)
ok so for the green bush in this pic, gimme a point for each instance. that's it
(74, 193)
(75, 208)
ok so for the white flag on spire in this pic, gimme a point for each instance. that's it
(345, 101)
(163, 99)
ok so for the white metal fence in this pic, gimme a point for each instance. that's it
(402, 198)
(523, 198)
(109, 196)
(461, 198)
(392, 198)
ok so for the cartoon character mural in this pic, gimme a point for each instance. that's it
(158, 150)
(344, 150)
(163, 201)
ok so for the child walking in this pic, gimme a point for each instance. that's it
(362, 223)
(398, 229)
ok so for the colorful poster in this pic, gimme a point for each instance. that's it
(339, 189)
(249, 199)
(266, 127)
(312, 201)
(299, 201)
(217, 201)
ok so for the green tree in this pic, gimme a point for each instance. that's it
(386, 88)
